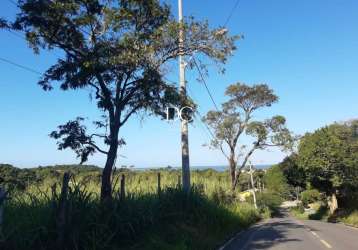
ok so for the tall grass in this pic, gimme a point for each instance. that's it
(143, 220)
(351, 218)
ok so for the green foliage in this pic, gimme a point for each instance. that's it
(270, 201)
(320, 214)
(276, 182)
(12, 178)
(329, 157)
(351, 218)
(143, 221)
(119, 50)
(310, 196)
(172, 220)
(299, 212)
(294, 174)
(235, 120)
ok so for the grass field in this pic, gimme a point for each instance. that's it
(144, 219)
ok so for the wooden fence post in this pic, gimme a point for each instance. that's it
(2, 200)
(62, 211)
(159, 187)
(123, 187)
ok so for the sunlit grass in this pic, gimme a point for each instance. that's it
(143, 220)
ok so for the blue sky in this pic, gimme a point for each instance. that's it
(305, 50)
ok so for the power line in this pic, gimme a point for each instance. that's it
(20, 66)
(206, 86)
(12, 2)
(201, 122)
(231, 13)
(205, 125)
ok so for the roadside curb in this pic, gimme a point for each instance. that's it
(227, 242)
(338, 222)
(348, 225)
(231, 239)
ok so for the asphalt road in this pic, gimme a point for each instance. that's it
(285, 232)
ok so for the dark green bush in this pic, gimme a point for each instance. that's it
(310, 196)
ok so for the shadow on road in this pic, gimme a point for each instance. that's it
(276, 231)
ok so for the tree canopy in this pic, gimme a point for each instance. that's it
(329, 156)
(235, 119)
(294, 174)
(119, 49)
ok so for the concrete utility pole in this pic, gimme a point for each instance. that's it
(252, 185)
(184, 123)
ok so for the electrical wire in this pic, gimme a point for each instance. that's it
(205, 84)
(20, 66)
(231, 13)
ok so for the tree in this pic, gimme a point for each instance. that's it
(236, 119)
(276, 182)
(118, 49)
(295, 175)
(329, 157)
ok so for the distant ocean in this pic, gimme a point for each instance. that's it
(219, 168)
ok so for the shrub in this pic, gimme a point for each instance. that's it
(310, 196)
(299, 212)
(220, 196)
(351, 219)
(268, 200)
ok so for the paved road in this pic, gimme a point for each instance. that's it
(285, 232)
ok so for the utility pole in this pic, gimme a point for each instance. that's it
(252, 185)
(184, 122)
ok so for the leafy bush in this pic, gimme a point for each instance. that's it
(268, 200)
(276, 182)
(223, 197)
(299, 212)
(310, 196)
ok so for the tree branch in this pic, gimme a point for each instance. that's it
(97, 148)
(129, 114)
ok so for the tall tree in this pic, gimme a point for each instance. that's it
(119, 49)
(236, 119)
(295, 175)
(329, 157)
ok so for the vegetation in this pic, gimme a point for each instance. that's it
(119, 50)
(329, 156)
(171, 220)
(350, 218)
(325, 169)
(310, 196)
(275, 192)
(236, 119)
(143, 220)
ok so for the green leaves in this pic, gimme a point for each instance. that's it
(235, 120)
(120, 50)
(330, 157)
(250, 98)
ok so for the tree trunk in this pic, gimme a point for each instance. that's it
(62, 213)
(333, 204)
(232, 165)
(106, 188)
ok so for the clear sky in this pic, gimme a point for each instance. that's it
(307, 51)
